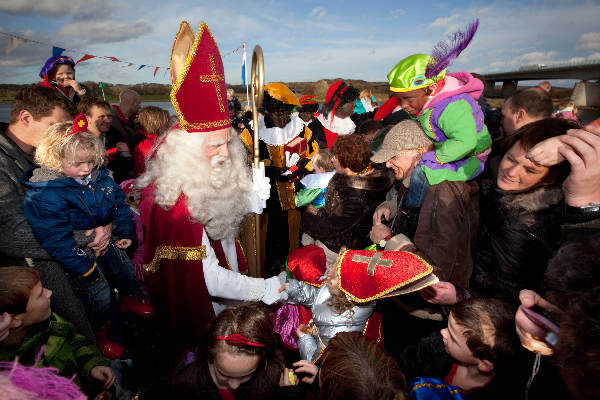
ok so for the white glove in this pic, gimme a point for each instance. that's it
(291, 159)
(261, 189)
(272, 294)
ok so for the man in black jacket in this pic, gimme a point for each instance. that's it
(32, 112)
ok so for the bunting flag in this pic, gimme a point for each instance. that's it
(244, 66)
(13, 43)
(57, 51)
(84, 58)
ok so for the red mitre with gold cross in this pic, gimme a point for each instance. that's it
(370, 275)
(198, 90)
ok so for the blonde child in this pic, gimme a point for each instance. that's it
(332, 312)
(314, 186)
(567, 110)
(72, 192)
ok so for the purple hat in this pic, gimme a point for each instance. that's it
(52, 61)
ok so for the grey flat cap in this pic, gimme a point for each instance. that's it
(406, 135)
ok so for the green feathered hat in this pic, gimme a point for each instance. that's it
(409, 74)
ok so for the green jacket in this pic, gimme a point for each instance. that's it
(65, 349)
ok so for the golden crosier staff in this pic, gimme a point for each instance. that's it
(257, 75)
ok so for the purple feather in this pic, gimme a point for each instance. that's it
(445, 52)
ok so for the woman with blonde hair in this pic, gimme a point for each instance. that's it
(365, 103)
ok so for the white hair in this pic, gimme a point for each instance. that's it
(216, 190)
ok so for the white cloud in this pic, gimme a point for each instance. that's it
(106, 32)
(537, 57)
(589, 41)
(443, 21)
(397, 13)
(594, 56)
(80, 8)
(318, 12)
(576, 60)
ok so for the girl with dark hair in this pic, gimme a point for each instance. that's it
(59, 73)
(519, 221)
(334, 118)
(240, 358)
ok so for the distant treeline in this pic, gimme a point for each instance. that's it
(319, 89)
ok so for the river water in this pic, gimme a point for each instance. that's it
(5, 108)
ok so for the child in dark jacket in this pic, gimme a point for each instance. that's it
(475, 355)
(71, 192)
(35, 329)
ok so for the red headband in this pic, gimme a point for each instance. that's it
(236, 337)
(80, 124)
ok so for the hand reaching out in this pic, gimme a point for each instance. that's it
(531, 334)
(383, 210)
(123, 243)
(443, 293)
(308, 368)
(103, 374)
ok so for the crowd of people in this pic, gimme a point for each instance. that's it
(429, 247)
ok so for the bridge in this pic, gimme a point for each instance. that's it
(585, 93)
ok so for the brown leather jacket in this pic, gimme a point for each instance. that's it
(446, 231)
(347, 216)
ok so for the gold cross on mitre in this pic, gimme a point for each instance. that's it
(216, 79)
(81, 123)
(373, 262)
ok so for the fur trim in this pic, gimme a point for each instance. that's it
(533, 200)
(44, 174)
(374, 181)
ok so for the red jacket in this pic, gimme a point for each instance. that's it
(141, 151)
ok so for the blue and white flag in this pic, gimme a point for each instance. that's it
(244, 65)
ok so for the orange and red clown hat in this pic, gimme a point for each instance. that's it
(198, 91)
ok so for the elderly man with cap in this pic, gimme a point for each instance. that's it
(444, 227)
(442, 231)
(286, 148)
(198, 188)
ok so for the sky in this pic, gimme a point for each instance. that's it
(301, 40)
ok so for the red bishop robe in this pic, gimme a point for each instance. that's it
(177, 252)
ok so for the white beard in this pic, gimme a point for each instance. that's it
(216, 190)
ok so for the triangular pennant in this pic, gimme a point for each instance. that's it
(141, 66)
(84, 58)
(13, 43)
(57, 51)
(156, 69)
(113, 58)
